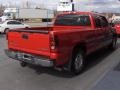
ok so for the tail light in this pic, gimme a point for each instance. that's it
(54, 42)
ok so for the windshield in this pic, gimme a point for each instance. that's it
(73, 20)
(6, 14)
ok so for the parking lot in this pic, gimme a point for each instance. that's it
(14, 77)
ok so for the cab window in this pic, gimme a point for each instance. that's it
(97, 22)
(73, 20)
(104, 21)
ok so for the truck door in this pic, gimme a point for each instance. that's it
(100, 32)
(106, 30)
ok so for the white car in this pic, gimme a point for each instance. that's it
(11, 24)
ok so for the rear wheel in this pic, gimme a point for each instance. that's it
(78, 62)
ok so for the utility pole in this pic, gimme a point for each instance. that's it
(73, 9)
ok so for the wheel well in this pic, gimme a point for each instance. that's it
(76, 48)
(5, 29)
(79, 46)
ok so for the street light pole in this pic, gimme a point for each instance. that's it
(72, 5)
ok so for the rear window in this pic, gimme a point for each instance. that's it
(73, 20)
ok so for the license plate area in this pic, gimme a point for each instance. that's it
(27, 57)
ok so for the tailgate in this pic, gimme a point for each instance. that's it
(30, 41)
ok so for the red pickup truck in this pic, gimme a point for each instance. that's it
(73, 36)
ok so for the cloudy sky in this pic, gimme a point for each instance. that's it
(101, 5)
(81, 5)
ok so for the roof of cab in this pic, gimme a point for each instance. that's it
(89, 13)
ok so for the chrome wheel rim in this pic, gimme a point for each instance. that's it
(78, 62)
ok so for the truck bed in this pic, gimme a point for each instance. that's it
(31, 40)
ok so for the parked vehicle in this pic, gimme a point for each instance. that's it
(73, 36)
(116, 24)
(115, 18)
(11, 24)
(24, 14)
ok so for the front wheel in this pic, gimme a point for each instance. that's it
(77, 65)
(113, 45)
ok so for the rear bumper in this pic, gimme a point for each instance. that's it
(28, 58)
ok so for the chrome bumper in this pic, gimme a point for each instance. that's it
(28, 58)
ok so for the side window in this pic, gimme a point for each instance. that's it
(10, 22)
(97, 22)
(104, 21)
(17, 22)
(14, 22)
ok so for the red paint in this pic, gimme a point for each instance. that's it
(117, 27)
(59, 42)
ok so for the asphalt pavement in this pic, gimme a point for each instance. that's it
(14, 77)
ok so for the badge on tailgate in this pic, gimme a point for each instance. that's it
(25, 36)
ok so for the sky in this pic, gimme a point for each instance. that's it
(80, 5)
(102, 5)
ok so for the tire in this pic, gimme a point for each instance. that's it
(113, 45)
(23, 64)
(78, 62)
